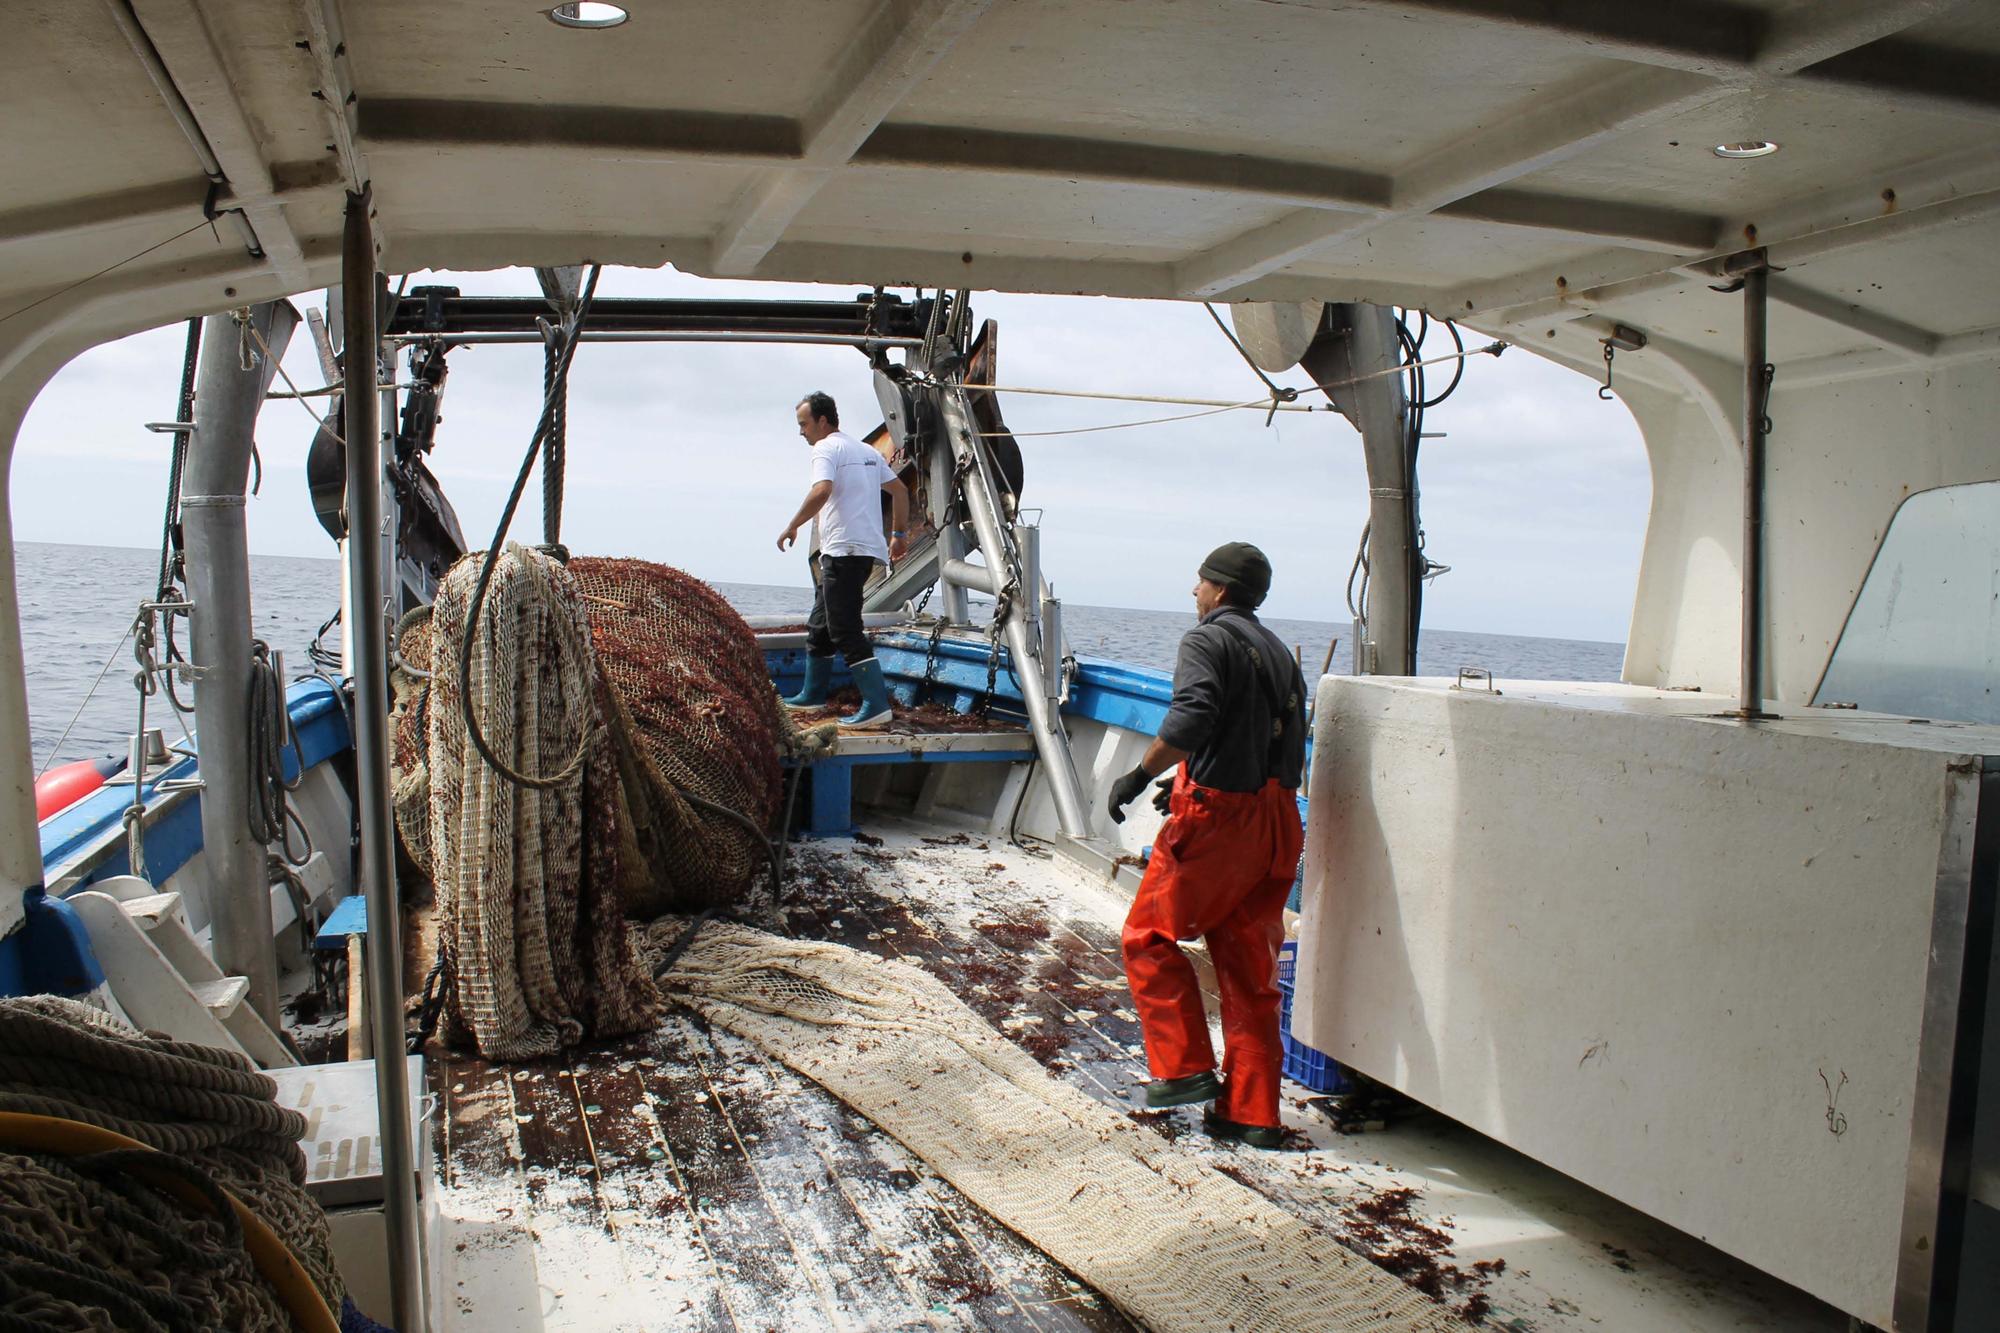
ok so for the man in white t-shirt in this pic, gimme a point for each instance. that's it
(848, 479)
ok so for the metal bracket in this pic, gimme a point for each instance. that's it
(1475, 680)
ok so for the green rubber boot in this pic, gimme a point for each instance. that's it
(812, 694)
(874, 711)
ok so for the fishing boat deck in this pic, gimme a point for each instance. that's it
(681, 1179)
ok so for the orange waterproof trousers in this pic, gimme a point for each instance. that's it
(1222, 867)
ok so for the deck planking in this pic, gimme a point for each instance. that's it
(682, 1179)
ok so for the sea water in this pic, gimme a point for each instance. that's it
(78, 604)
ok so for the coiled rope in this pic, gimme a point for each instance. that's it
(93, 1236)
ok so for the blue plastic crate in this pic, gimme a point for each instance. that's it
(1302, 1064)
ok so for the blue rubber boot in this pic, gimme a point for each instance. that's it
(874, 711)
(812, 694)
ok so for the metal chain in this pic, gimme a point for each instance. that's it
(931, 660)
(1002, 604)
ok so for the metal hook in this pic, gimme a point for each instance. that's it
(1623, 338)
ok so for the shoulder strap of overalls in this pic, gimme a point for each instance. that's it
(1283, 700)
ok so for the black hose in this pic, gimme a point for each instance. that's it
(271, 819)
(557, 380)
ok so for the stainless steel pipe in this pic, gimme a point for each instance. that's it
(1051, 741)
(226, 401)
(368, 636)
(1756, 352)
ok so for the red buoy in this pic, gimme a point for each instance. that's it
(60, 788)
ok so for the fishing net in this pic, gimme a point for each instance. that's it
(532, 941)
(652, 685)
(86, 1242)
(694, 711)
(1174, 1243)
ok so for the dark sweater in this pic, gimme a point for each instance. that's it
(1223, 709)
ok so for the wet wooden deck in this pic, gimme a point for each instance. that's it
(682, 1180)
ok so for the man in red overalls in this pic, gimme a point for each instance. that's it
(1223, 863)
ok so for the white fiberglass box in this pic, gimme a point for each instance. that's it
(1710, 968)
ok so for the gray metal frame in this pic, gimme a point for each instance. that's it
(1949, 1049)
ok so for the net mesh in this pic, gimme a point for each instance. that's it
(1176, 1244)
(694, 711)
(89, 1248)
(531, 930)
(668, 685)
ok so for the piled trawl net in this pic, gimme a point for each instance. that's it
(90, 1241)
(695, 712)
(532, 937)
(1175, 1244)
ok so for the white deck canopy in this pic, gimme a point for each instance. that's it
(1543, 169)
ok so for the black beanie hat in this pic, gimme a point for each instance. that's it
(1240, 566)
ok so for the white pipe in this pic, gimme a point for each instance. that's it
(226, 402)
(965, 574)
(1051, 741)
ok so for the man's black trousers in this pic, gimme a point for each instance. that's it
(835, 623)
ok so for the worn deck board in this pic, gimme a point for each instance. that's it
(682, 1179)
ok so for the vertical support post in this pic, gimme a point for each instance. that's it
(20, 845)
(369, 638)
(227, 398)
(956, 607)
(1352, 353)
(1044, 721)
(1028, 541)
(1756, 405)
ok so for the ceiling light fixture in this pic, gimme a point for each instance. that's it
(588, 14)
(1748, 148)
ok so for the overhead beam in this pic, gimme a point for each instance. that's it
(899, 45)
(1806, 34)
(1711, 37)
(1123, 162)
(1632, 226)
(1537, 135)
(188, 50)
(590, 133)
(1737, 44)
(161, 205)
(1915, 75)
(684, 137)
(1913, 343)
(326, 42)
(1941, 192)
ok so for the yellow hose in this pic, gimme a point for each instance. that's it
(275, 1263)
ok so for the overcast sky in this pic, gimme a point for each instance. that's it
(688, 454)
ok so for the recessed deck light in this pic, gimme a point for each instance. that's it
(588, 14)
(1748, 148)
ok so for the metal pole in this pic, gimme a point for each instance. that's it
(953, 605)
(370, 639)
(1051, 741)
(864, 341)
(1360, 349)
(1756, 282)
(227, 397)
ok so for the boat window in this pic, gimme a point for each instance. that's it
(1923, 638)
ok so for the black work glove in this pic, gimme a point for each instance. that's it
(1163, 795)
(1124, 792)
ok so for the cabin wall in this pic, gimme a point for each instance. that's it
(1842, 456)
(1678, 959)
